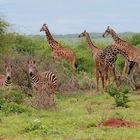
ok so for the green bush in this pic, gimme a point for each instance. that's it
(120, 96)
(3, 26)
(84, 57)
(12, 108)
(2, 101)
(11, 95)
(34, 125)
(10, 101)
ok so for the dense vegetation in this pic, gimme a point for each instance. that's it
(77, 113)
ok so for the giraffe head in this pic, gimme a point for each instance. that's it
(83, 34)
(107, 31)
(31, 64)
(44, 28)
(8, 69)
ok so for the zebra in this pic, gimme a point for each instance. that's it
(5, 80)
(44, 84)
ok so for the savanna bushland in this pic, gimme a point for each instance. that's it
(78, 113)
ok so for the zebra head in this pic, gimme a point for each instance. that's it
(8, 69)
(43, 28)
(31, 67)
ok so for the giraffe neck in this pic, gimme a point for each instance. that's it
(90, 44)
(50, 39)
(118, 40)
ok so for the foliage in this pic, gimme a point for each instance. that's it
(33, 125)
(3, 26)
(10, 101)
(70, 119)
(135, 39)
(120, 96)
(11, 95)
(12, 108)
(84, 57)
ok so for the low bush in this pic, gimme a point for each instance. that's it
(12, 108)
(120, 96)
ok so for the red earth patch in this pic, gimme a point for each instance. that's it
(112, 122)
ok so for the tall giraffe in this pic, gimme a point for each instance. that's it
(98, 56)
(132, 54)
(59, 52)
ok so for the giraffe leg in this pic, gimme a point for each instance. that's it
(107, 75)
(73, 64)
(124, 70)
(115, 77)
(139, 64)
(131, 65)
(103, 82)
(97, 81)
(131, 80)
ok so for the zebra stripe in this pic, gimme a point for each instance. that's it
(43, 79)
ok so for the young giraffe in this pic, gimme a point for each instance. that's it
(59, 52)
(5, 80)
(131, 53)
(99, 61)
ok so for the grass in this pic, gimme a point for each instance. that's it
(73, 117)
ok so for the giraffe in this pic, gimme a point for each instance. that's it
(98, 56)
(59, 52)
(131, 53)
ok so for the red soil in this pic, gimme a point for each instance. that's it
(118, 123)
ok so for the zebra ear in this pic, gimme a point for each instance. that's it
(34, 61)
(27, 61)
(84, 30)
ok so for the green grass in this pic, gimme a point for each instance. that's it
(73, 117)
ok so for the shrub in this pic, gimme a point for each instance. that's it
(11, 95)
(33, 126)
(12, 108)
(3, 26)
(120, 96)
(10, 99)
